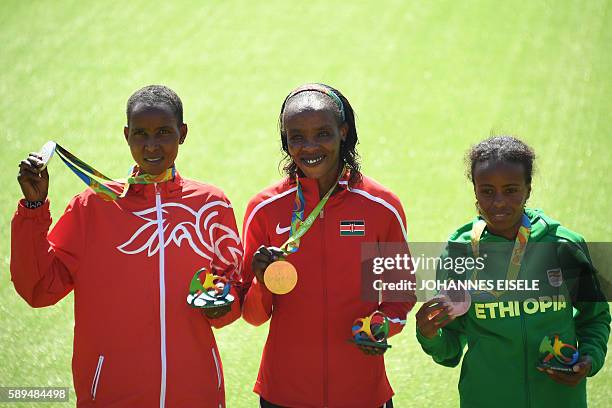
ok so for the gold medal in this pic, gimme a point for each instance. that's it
(280, 277)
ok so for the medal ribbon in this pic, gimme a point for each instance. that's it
(299, 225)
(87, 173)
(520, 245)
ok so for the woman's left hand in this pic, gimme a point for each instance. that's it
(581, 369)
(371, 350)
(216, 312)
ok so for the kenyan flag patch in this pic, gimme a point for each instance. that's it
(352, 228)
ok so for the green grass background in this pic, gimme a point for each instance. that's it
(426, 79)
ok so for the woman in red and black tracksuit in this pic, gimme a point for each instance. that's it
(307, 360)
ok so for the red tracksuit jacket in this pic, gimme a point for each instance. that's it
(307, 360)
(137, 343)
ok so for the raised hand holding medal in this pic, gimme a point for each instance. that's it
(33, 178)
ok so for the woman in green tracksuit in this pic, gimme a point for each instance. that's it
(503, 329)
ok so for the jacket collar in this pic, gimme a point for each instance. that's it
(311, 185)
(167, 188)
(310, 188)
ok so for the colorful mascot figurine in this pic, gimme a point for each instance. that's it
(557, 355)
(372, 331)
(214, 292)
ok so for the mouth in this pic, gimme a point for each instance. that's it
(153, 160)
(500, 216)
(312, 161)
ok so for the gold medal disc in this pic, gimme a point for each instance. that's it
(280, 277)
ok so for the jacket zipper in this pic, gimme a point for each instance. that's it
(325, 316)
(523, 330)
(96, 379)
(162, 296)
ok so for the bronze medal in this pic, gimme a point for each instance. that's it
(280, 277)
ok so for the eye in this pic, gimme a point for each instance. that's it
(295, 138)
(324, 134)
(164, 132)
(512, 190)
(486, 191)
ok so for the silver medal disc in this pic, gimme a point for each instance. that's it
(47, 153)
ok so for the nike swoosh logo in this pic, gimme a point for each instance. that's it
(280, 230)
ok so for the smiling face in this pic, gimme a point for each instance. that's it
(154, 136)
(501, 192)
(313, 142)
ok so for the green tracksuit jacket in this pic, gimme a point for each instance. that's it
(503, 333)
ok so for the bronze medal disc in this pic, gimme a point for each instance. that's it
(280, 277)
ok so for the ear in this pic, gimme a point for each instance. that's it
(182, 133)
(344, 131)
(126, 132)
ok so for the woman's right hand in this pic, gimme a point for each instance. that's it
(34, 182)
(432, 316)
(263, 257)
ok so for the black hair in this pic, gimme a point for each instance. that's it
(155, 95)
(343, 113)
(501, 149)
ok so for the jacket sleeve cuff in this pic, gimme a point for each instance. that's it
(429, 343)
(596, 359)
(262, 293)
(257, 307)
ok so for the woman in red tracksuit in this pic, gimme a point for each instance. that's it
(137, 343)
(308, 360)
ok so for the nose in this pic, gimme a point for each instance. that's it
(151, 144)
(498, 200)
(310, 144)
